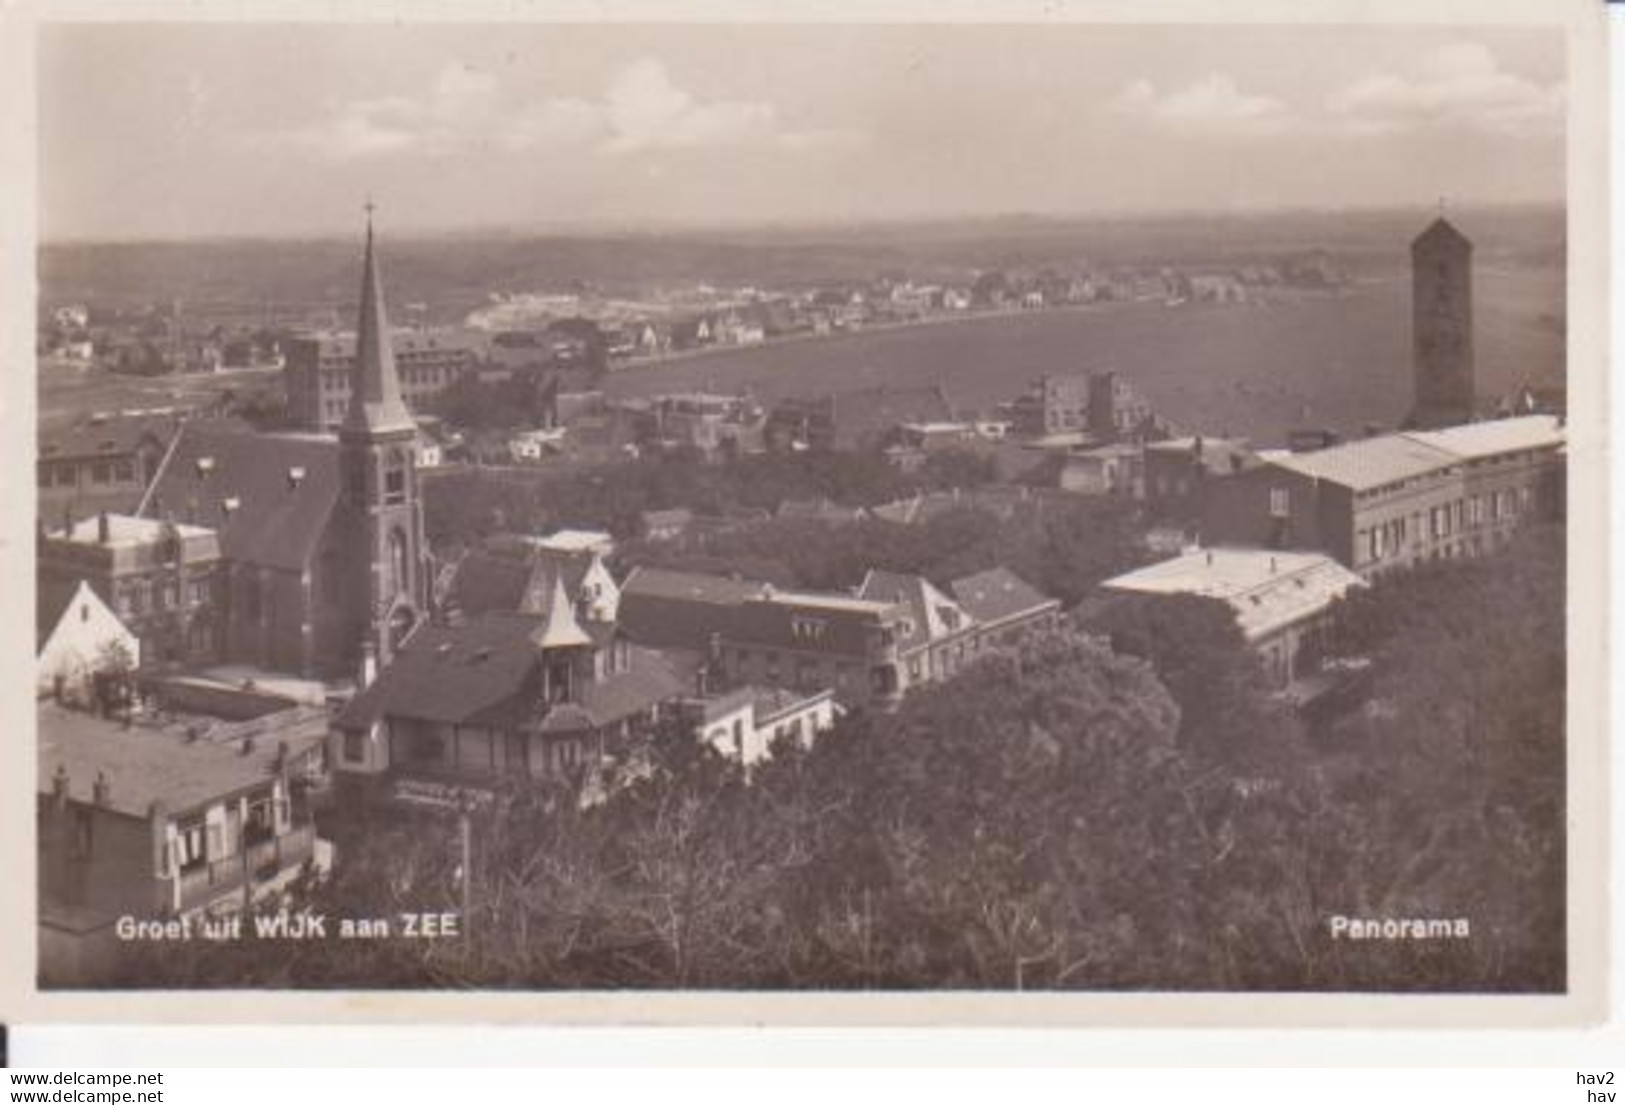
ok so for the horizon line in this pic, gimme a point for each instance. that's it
(613, 228)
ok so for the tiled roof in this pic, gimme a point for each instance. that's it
(843, 625)
(1372, 462)
(997, 594)
(110, 437)
(143, 766)
(1477, 440)
(1375, 461)
(488, 579)
(653, 678)
(678, 609)
(932, 615)
(284, 488)
(451, 673)
(481, 672)
(51, 604)
(1266, 590)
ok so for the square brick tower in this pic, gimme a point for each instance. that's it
(1442, 326)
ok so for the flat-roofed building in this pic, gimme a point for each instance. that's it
(1176, 473)
(746, 723)
(1281, 600)
(162, 579)
(1388, 502)
(316, 376)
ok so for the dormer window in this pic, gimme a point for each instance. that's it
(205, 465)
(296, 476)
(807, 629)
(229, 504)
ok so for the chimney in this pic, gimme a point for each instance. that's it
(715, 650)
(1273, 565)
(104, 529)
(369, 665)
(101, 791)
(59, 786)
(1196, 447)
(247, 747)
(1210, 558)
(702, 680)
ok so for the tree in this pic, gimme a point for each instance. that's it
(1227, 716)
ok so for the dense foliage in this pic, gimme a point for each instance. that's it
(615, 496)
(1050, 818)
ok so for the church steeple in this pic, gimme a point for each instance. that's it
(376, 406)
(388, 574)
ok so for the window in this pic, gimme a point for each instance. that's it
(189, 844)
(124, 471)
(355, 746)
(1280, 502)
(101, 472)
(43, 474)
(395, 486)
(807, 629)
(400, 578)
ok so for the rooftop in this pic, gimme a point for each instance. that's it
(1267, 590)
(269, 496)
(124, 531)
(997, 594)
(1477, 440)
(1371, 462)
(933, 615)
(143, 766)
(577, 540)
(117, 435)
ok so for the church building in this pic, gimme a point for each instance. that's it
(321, 540)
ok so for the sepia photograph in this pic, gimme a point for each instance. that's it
(729, 505)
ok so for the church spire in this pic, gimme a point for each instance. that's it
(375, 386)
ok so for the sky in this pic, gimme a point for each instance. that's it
(207, 130)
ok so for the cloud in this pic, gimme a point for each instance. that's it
(1461, 84)
(1214, 106)
(642, 110)
(434, 122)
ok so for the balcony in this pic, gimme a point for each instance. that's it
(254, 865)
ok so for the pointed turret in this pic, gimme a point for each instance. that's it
(376, 406)
(545, 595)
